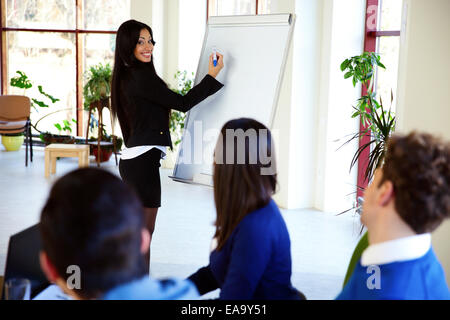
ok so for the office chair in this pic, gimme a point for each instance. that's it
(15, 118)
(23, 259)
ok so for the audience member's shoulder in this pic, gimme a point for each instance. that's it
(147, 288)
(263, 216)
(178, 289)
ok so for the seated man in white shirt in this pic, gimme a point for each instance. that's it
(94, 241)
(408, 198)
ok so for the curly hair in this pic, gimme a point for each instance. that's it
(418, 165)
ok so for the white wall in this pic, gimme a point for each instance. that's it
(315, 105)
(423, 84)
(162, 16)
(342, 37)
(141, 10)
(178, 29)
(192, 24)
(172, 48)
(158, 24)
(281, 128)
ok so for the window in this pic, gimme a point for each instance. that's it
(54, 42)
(388, 46)
(238, 7)
(382, 35)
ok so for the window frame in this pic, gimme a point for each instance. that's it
(371, 36)
(79, 49)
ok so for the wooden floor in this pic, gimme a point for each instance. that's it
(321, 243)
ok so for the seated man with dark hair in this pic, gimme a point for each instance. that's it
(408, 198)
(92, 223)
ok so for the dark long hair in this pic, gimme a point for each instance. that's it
(244, 173)
(124, 59)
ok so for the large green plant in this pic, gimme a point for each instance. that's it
(176, 122)
(379, 123)
(97, 84)
(97, 89)
(43, 100)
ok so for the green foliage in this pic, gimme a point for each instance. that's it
(377, 120)
(361, 68)
(52, 99)
(97, 88)
(23, 82)
(177, 118)
(98, 84)
(65, 126)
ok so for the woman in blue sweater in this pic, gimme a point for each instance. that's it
(251, 254)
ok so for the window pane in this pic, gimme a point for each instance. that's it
(264, 6)
(105, 14)
(48, 59)
(391, 15)
(232, 7)
(40, 14)
(388, 47)
(99, 48)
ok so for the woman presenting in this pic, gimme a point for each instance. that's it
(141, 101)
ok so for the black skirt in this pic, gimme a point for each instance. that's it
(142, 174)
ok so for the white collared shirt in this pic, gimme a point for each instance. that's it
(134, 152)
(403, 249)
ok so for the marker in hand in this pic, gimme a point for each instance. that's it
(214, 56)
(215, 63)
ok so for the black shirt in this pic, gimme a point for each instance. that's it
(152, 100)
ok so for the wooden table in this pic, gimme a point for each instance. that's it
(55, 150)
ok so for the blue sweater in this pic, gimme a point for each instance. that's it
(418, 279)
(255, 262)
(151, 289)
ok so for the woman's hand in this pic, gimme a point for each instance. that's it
(214, 71)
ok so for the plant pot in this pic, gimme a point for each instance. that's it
(12, 143)
(49, 138)
(105, 154)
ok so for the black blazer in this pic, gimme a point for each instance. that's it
(152, 100)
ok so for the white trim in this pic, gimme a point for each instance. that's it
(242, 20)
(403, 249)
(134, 152)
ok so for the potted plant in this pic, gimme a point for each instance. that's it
(12, 141)
(185, 82)
(44, 100)
(108, 145)
(65, 126)
(96, 94)
(98, 85)
(379, 123)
